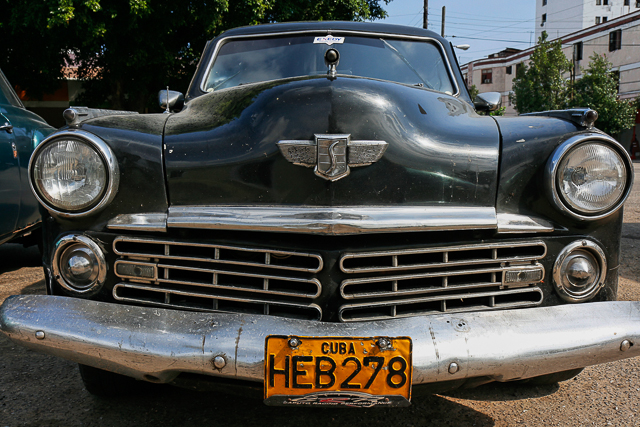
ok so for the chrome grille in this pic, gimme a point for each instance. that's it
(210, 277)
(441, 279)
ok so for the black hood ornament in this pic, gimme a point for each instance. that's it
(332, 155)
(331, 59)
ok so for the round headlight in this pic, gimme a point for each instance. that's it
(590, 176)
(73, 173)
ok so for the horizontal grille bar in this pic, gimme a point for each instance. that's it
(461, 302)
(194, 300)
(429, 282)
(439, 257)
(217, 254)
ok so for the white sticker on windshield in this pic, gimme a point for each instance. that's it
(328, 40)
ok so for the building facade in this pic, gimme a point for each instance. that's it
(561, 17)
(618, 39)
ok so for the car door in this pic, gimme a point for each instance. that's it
(10, 188)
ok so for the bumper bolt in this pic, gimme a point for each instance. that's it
(40, 335)
(219, 362)
(384, 343)
(294, 342)
(453, 368)
(625, 345)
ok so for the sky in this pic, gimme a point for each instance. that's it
(488, 26)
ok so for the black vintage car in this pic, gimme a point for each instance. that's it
(328, 220)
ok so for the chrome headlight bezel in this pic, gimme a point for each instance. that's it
(552, 172)
(110, 164)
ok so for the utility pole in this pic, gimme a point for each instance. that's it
(444, 9)
(425, 14)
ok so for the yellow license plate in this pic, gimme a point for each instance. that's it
(337, 371)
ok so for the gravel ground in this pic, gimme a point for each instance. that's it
(40, 390)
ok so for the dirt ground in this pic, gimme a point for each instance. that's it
(40, 390)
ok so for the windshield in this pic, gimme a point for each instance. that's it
(254, 60)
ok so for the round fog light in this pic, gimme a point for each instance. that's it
(79, 265)
(579, 271)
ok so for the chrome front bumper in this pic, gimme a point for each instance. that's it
(159, 344)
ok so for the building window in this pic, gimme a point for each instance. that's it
(597, 20)
(605, 2)
(604, 19)
(615, 40)
(544, 2)
(487, 76)
(627, 2)
(544, 19)
(577, 51)
(509, 69)
(598, 2)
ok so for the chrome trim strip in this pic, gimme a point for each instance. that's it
(445, 250)
(334, 32)
(513, 224)
(443, 298)
(139, 222)
(333, 220)
(151, 288)
(501, 345)
(111, 166)
(217, 258)
(551, 172)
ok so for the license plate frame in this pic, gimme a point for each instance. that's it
(337, 371)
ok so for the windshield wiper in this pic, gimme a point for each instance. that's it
(403, 59)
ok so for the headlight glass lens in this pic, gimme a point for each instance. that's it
(592, 178)
(69, 174)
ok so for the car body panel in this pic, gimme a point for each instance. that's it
(19, 210)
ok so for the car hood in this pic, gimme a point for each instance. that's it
(222, 149)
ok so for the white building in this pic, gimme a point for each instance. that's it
(561, 17)
(618, 39)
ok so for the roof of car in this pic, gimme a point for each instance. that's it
(332, 26)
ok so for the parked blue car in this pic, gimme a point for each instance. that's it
(20, 132)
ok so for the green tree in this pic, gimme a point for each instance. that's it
(127, 50)
(598, 89)
(540, 85)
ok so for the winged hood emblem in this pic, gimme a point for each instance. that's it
(332, 155)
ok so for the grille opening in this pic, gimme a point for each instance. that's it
(242, 256)
(418, 308)
(188, 276)
(294, 312)
(366, 313)
(365, 288)
(467, 279)
(185, 251)
(521, 252)
(507, 299)
(424, 258)
(146, 249)
(306, 288)
(241, 307)
(469, 302)
(192, 302)
(471, 254)
(297, 261)
(140, 295)
(367, 262)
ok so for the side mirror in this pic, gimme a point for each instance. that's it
(170, 100)
(489, 101)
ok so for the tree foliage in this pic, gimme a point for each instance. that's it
(126, 50)
(598, 89)
(540, 85)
